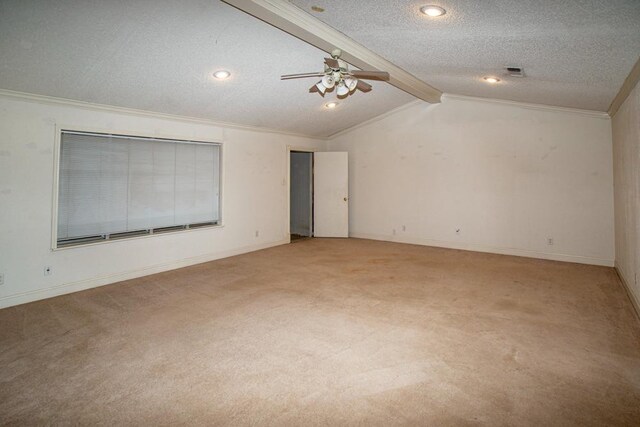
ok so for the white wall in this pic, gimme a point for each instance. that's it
(626, 166)
(507, 175)
(255, 198)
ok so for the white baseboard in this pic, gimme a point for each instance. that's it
(635, 299)
(67, 288)
(482, 248)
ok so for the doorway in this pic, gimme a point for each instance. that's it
(301, 195)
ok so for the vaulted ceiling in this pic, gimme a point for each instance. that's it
(158, 55)
(575, 53)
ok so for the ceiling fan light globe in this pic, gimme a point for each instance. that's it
(342, 89)
(321, 87)
(351, 83)
(328, 81)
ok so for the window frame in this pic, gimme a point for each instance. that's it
(59, 129)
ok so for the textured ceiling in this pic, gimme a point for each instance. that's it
(158, 55)
(576, 53)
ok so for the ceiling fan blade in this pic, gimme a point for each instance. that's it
(365, 87)
(300, 76)
(316, 88)
(372, 75)
(332, 63)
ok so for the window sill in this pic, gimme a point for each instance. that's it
(57, 248)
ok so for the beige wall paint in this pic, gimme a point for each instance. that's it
(626, 167)
(255, 198)
(508, 176)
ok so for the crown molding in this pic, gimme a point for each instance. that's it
(531, 106)
(451, 96)
(51, 100)
(293, 20)
(627, 86)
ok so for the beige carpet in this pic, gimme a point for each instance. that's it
(331, 332)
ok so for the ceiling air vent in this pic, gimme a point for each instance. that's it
(515, 71)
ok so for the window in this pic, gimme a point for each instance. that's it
(115, 186)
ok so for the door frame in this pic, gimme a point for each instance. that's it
(291, 148)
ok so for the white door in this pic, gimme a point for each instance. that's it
(331, 194)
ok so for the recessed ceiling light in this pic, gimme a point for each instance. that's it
(317, 9)
(222, 74)
(432, 11)
(331, 105)
(491, 79)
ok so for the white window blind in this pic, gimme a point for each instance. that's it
(113, 185)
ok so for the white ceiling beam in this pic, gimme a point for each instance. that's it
(627, 86)
(293, 20)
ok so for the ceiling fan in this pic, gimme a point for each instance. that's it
(336, 75)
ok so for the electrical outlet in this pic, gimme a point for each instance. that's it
(550, 241)
(48, 271)
(394, 231)
(257, 233)
(1, 279)
(404, 228)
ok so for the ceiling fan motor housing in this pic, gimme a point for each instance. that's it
(336, 74)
